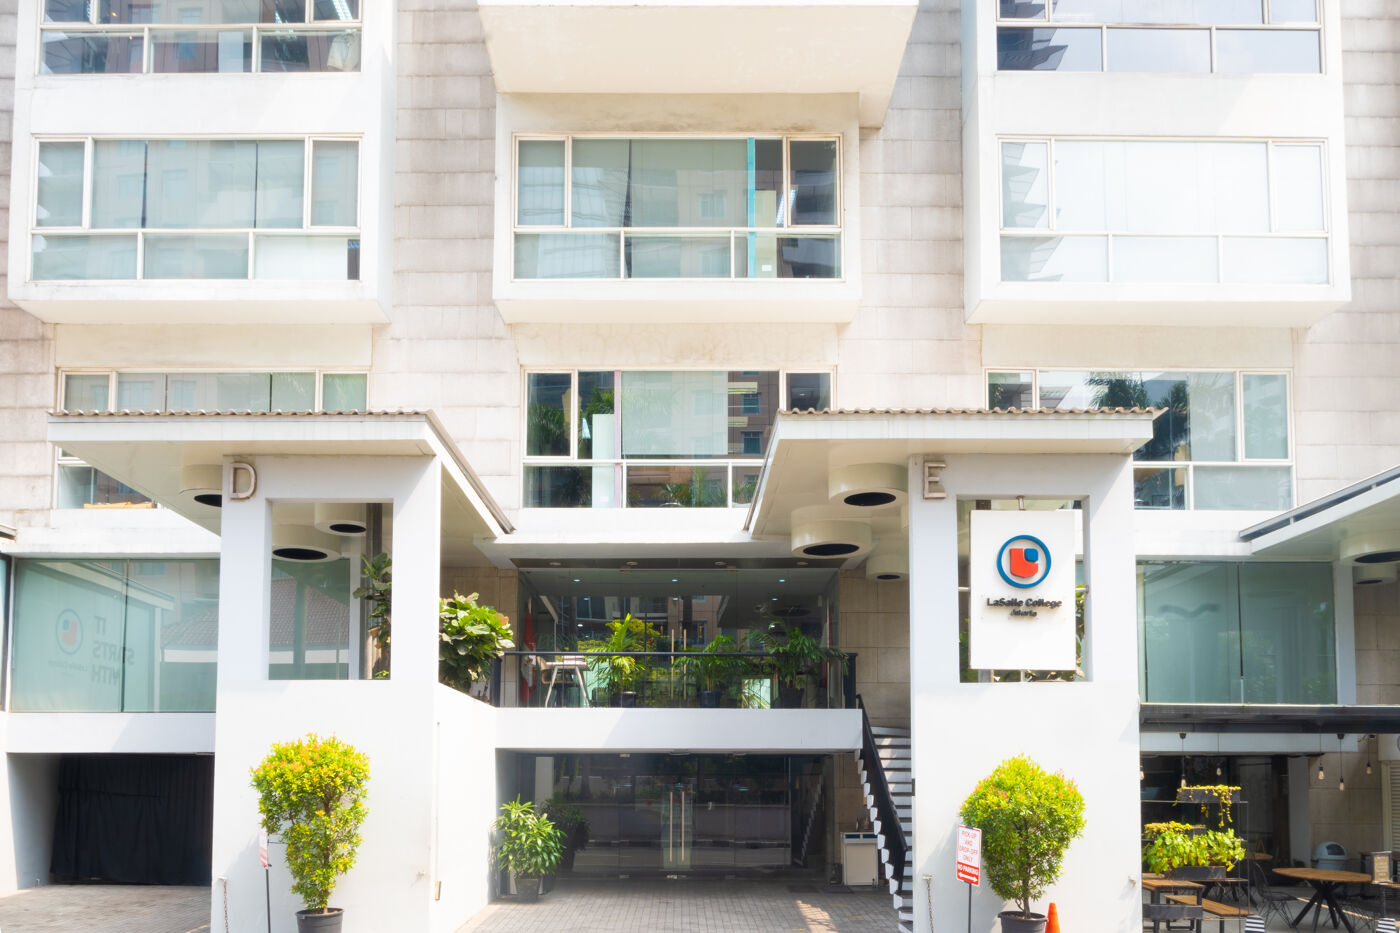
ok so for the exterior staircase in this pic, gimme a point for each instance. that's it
(896, 843)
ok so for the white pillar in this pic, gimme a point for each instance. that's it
(417, 552)
(245, 588)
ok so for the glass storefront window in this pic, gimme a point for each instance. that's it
(310, 637)
(115, 636)
(1237, 633)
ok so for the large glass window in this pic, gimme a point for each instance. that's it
(654, 438)
(1181, 36)
(1237, 633)
(1220, 442)
(230, 36)
(677, 208)
(1163, 211)
(197, 209)
(79, 486)
(115, 636)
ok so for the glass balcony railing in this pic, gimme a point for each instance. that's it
(670, 680)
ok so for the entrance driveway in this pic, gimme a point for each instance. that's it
(101, 908)
(691, 906)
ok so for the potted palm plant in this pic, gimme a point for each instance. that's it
(1028, 818)
(471, 637)
(715, 666)
(616, 670)
(311, 793)
(793, 657)
(530, 847)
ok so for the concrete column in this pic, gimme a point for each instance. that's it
(417, 552)
(245, 588)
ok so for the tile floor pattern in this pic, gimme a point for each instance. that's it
(691, 906)
(101, 908)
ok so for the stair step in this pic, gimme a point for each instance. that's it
(889, 730)
(895, 753)
(906, 914)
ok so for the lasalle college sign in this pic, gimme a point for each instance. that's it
(1022, 590)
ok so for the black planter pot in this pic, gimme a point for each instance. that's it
(313, 921)
(547, 883)
(527, 889)
(627, 699)
(566, 860)
(709, 699)
(1198, 872)
(1013, 921)
(790, 697)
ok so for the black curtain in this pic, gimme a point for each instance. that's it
(137, 819)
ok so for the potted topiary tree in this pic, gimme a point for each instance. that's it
(530, 846)
(470, 638)
(1028, 818)
(311, 793)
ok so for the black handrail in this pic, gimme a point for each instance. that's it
(890, 827)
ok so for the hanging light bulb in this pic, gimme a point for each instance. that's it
(1183, 758)
(1217, 770)
(1368, 754)
(1342, 784)
(1321, 775)
(1341, 763)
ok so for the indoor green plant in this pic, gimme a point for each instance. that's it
(570, 821)
(530, 846)
(470, 636)
(1190, 852)
(716, 667)
(1028, 818)
(376, 592)
(612, 663)
(311, 793)
(793, 656)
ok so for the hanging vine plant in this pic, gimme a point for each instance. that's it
(1222, 795)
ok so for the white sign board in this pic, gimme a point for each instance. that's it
(969, 855)
(1022, 590)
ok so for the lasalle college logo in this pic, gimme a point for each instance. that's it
(69, 631)
(1023, 561)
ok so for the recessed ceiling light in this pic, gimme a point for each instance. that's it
(675, 580)
(631, 563)
(782, 579)
(577, 580)
(555, 563)
(775, 599)
(802, 563)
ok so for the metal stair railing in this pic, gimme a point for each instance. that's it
(890, 827)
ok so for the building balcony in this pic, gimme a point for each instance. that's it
(698, 47)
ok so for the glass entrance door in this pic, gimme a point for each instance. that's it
(678, 826)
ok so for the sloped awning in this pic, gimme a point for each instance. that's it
(808, 445)
(148, 450)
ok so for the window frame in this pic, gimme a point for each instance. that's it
(837, 229)
(1051, 231)
(731, 463)
(94, 26)
(1188, 465)
(307, 229)
(61, 461)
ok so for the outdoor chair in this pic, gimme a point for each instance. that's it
(1270, 901)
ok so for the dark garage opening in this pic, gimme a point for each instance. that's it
(134, 819)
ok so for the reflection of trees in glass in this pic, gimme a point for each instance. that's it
(702, 491)
(1171, 430)
(1006, 395)
(600, 402)
(1118, 390)
(548, 430)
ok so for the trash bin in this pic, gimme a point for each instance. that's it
(860, 858)
(1331, 856)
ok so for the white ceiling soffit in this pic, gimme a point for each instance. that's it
(1359, 518)
(149, 451)
(700, 47)
(806, 445)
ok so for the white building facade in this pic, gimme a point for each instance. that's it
(516, 292)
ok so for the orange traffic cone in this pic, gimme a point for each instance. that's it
(1052, 922)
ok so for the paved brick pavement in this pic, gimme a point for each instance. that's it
(94, 908)
(690, 906)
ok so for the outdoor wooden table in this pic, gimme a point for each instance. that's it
(1325, 882)
(1156, 887)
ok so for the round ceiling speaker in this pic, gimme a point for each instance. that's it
(868, 485)
(341, 518)
(887, 566)
(203, 483)
(303, 544)
(831, 538)
(1373, 574)
(1375, 548)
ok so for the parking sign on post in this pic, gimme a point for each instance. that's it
(969, 855)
